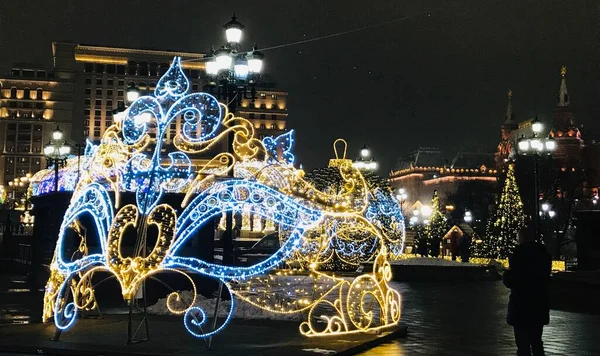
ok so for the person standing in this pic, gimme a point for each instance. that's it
(528, 275)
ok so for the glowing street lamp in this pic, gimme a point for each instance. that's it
(365, 161)
(535, 146)
(133, 92)
(468, 217)
(56, 152)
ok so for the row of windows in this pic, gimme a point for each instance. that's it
(19, 166)
(32, 73)
(134, 68)
(26, 93)
(264, 96)
(97, 113)
(26, 115)
(273, 127)
(109, 82)
(262, 116)
(109, 92)
(25, 105)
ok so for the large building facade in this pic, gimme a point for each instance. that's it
(32, 104)
(83, 88)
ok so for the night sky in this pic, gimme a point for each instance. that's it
(434, 79)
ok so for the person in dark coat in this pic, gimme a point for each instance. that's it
(529, 271)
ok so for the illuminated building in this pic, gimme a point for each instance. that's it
(427, 170)
(32, 104)
(102, 75)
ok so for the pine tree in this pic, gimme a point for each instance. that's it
(501, 232)
(437, 227)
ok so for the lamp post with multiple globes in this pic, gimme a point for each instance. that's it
(536, 146)
(56, 152)
(365, 161)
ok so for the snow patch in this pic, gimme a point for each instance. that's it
(242, 310)
(320, 351)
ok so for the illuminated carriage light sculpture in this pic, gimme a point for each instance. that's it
(276, 192)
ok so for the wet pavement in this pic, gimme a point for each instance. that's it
(469, 319)
(452, 319)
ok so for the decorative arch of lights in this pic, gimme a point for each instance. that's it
(135, 155)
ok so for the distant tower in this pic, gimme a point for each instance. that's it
(506, 145)
(568, 137)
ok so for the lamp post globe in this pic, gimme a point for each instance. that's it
(255, 61)
(133, 92)
(537, 126)
(233, 31)
(365, 152)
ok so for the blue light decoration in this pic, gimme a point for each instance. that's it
(280, 148)
(132, 157)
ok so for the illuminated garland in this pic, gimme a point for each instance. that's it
(356, 224)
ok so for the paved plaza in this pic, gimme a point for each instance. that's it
(466, 318)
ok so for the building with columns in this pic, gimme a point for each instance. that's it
(83, 88)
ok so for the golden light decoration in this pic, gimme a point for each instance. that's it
(357, 225)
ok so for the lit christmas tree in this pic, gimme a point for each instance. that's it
(501, 232)
(437, 227)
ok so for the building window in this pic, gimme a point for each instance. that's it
(120, 103)
(120, 69)
(39, 94)
(143, 69)
(88, 67)
(12, 104)
(86, 112)
(13, 93)
(263, 126)
(273, 127)
(109, 104)
(87, 101)
(195, 87)
(121, 83)
(251, 116)
(28, 73)
(263, 95)
(263, 116)
(110, 68)
(39, 105)
(273, 117)
(108, 113)
(120, 93)
(88, 91)
(88, 81)
(98, 113)
(109, 82)
(132, 68)
(97, 123)
(274, 96)
(97, 132)
(108, 123)
(99, 68)
(153, 69)
(99, 92)
(26, 93)
(98, 81)
(98, 102)
(109, 92)
(15, 72)
(86, 122)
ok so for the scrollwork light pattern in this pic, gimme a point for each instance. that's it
(358, 225)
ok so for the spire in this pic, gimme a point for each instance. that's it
(563, 96)
(510, 115)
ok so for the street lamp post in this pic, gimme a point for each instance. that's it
(232, 77)
(401, 196)
(365, 161)
(56, 152)
(536, 146)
